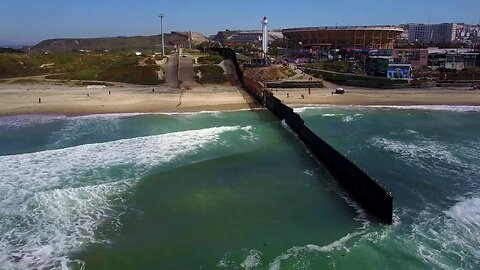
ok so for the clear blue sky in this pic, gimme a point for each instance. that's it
(23, 21)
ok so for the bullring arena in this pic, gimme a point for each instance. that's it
(337, 37)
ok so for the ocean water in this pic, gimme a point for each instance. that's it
(237, 190)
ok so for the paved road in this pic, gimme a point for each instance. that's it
(171, 71)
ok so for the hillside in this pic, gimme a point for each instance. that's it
(116, 43)
(111, 67)
(9, 50)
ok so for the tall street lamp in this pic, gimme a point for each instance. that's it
(161, 15)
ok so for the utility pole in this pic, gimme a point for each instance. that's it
(161, 15)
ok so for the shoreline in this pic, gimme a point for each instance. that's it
(376, 97)
(297, 108)
(131, 113)
(423, 107)
(22, 99)
(85, 112)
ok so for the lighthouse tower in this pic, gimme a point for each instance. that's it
(265, 37)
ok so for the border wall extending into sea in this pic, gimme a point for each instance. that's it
(363, 188)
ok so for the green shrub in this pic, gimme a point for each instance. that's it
(146, 75)
(289, 72)
(211, 74)
(342, 67)
(356, 80)
(117, 67)
(150, 61)
(211, 59)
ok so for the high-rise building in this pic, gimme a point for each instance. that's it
(443, 33)
(468, 34)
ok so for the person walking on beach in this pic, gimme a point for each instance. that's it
(39, 100)
(288, 95)
(153, 90)
(109, 92)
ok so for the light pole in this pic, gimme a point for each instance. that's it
(161, 32)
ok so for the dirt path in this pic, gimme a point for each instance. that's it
(185, 72)
(171, 71)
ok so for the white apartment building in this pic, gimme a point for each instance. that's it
(436, 33)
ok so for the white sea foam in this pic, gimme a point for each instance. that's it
(347, 119)
(250, 135)
(252, 261)
(448, 241)
(48, 208)
(467, 214)
(419, 150)
(214, 113)
(452, 108)
(21, 121)
(351, 118)
(80, 126)
(107, 116)
(55, 222)
(411, 131)
(302, 109)
(295, 252)
(225, 262)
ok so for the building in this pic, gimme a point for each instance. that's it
(404, 35)
(249, 37)
(468, 34)
(457, 59)
(418, 58)
(443, 33)
(377, 65)
(245, 36)
(338, 37)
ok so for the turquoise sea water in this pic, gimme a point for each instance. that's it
(237, 190)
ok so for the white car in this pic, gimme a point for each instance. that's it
(339, 91)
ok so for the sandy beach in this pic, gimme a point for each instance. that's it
(56, 98)
(366, 96)
(63, 99)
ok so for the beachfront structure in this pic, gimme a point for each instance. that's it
(443, 33)
(457, 59)
(338, 37)
(418, 58)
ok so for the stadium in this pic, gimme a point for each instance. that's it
(338, 37)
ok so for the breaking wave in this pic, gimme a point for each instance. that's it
(22, 121)
(51, 202)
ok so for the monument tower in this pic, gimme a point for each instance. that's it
(264, 37)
